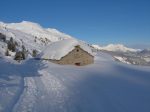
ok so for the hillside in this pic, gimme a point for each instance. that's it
(30, 35)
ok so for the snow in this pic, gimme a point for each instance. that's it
(61, 48)
(41, 86)
(28, 97)
(35, 29)
(105, 86)
(115, 47)
(122, 59)
(27, 39)
(22, 39)
(147, 59)
(11, 85)
(31, 35)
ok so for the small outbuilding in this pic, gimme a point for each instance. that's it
(68, 51)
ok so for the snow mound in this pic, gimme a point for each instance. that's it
(115, 47)
(57, 50)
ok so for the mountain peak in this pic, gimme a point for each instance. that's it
(25, 25)
(37, 30)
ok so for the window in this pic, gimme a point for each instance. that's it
(77, 64)
(77, 50)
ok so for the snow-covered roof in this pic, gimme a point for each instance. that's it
(59, 49)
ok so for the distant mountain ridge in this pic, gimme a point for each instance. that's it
(115, 48)
(145, 52)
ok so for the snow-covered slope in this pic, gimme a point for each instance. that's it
(105, 86)
(22, 39)
(57, 50)
(122, 59)
(35, 29)
(31, 35)
(115, 47)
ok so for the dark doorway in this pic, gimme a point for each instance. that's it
(77, 64)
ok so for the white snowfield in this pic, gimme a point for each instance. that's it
(105, 86)
(59, 49)
(115, 47)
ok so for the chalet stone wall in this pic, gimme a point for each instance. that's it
(76, 57)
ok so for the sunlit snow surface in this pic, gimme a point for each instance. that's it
(105, 86)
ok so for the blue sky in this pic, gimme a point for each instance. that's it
(95, 21)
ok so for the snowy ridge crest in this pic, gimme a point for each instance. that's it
(115, 47)
(35, 29)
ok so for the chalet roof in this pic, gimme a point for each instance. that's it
(59, 49)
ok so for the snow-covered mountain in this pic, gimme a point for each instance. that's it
(29, 34)
(126, 55)
(115, 47)
(35, 29)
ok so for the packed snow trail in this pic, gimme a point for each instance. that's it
(105, 86)
(11, 85)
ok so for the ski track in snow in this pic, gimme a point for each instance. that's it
(45, 93)
(16, 97)
(53, 95)
(28, 98)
